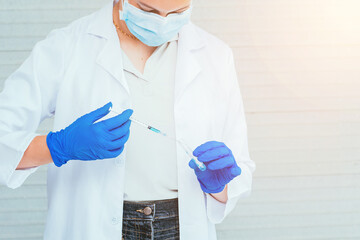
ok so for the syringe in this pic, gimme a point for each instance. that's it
(186, 148)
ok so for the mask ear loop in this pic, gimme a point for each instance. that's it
(121, 14)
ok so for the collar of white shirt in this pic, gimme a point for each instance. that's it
(155, 57)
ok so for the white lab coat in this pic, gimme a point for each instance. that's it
(77, 69)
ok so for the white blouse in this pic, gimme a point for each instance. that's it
(150, 168)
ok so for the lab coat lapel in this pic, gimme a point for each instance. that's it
(192, 211)
(110, 56)
(110, 59)
(188, 66)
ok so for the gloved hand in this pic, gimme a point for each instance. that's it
(84, 140)
(221, 166)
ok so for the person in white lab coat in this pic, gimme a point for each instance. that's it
(109, 178)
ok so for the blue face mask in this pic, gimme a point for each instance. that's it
(150, 28)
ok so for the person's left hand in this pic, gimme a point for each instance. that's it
(221, 166)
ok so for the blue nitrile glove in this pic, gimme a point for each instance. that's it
(86, 140)
(221, 166)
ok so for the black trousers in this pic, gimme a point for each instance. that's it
(151, 220)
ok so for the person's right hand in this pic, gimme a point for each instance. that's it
(86, 140)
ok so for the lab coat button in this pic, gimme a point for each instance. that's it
(114, 220)
(147, 210)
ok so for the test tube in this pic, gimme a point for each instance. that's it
(187, 149)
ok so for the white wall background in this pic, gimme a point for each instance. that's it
(298, 65)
